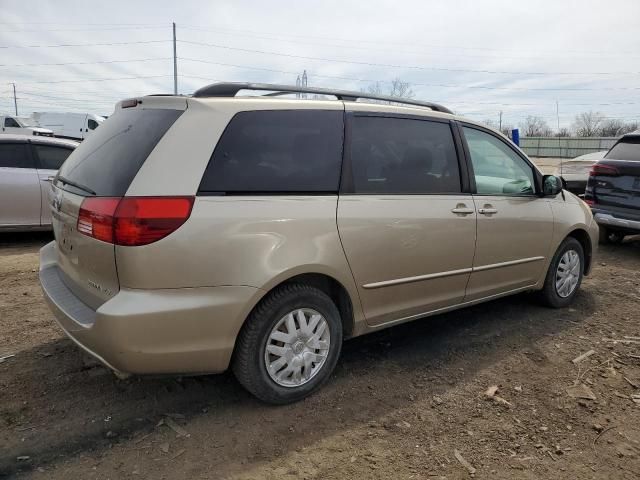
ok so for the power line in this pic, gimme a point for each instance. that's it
(92, 29)
(390, 65)
(219, 29)
(67, 99)
(355, 45)
(83, 63)
(442, 85)
(98, 79)
(84, 44)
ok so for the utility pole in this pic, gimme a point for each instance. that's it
(500, 122)
(175, 62)
(559, 142)
(15, 101)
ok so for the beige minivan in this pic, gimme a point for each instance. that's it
(194, 234)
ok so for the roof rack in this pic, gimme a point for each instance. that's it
(231, 89)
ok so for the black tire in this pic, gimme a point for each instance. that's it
(549, 294)
(610, 236)
(248, 363)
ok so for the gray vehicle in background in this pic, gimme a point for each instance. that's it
(27, 168)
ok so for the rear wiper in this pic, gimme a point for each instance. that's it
(79, 186)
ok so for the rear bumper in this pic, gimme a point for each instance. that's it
(182, 330)
(609, 220)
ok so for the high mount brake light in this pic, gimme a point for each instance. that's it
(603, 170)
(132, 221)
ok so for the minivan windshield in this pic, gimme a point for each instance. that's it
(107, 161)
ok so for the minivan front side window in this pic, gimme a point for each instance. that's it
(497, 168)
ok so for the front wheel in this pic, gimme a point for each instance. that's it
(564, 275)
(289, 345)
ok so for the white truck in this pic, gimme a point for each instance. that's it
(16, 125)
(76, 126)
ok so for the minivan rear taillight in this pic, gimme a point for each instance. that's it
(132, 221)
(603, 170)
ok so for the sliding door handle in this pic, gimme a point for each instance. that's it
(462, 209)
(487, 211)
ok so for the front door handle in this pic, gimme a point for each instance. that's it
(462, 209)
(48, 179)
(487, 210)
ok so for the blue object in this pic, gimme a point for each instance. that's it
(515, 136)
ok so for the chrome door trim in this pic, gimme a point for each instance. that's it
(482, 268)
(431, 276)
(419, 278)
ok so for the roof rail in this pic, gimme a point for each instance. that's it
(231, 89)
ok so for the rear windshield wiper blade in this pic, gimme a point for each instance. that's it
(79, 186)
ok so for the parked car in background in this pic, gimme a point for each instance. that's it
(221, 231)
(613, 190)
(15, 125)
(575, 171)
(27, 168)
(76, 126)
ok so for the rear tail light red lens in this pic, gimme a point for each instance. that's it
(95, 218)
(589, 202)
(603, 170)
(133, 221)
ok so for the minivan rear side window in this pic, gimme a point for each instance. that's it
(403, 156)
(277, 151)
(625, 149)
(110, 158)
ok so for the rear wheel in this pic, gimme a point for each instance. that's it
(564, 275)
(289, 345)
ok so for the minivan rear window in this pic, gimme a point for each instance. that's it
(110, 158)
(627, 149)
(277, 151)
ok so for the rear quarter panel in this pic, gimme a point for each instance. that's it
(256, 241)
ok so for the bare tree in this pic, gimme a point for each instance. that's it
(490, 123)
(401, 89)
(611, 127)
(534, 126)
(588, 124)
(505, 130)
(629, 127)
(398, 89)
(563, 132)
(375, 89)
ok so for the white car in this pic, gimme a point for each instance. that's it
(15, 125)
(75, 126)
(575, 171)
(27, 168)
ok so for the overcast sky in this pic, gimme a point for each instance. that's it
(477, 57)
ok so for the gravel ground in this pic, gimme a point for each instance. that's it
(407, 402)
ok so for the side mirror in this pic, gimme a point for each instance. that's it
(551, 185)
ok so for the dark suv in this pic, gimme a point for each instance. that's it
(613, 190)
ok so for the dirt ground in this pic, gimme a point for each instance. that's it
(403, 403)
